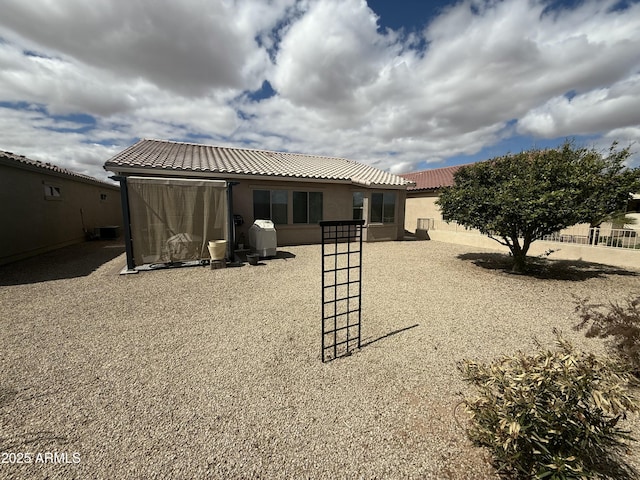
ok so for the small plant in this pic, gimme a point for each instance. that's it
(621, 323)
(552, 415)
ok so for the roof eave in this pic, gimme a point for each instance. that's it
(424, 190)
(166, 172)
(42, 170)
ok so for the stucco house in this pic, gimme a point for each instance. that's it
(45, 207)
(293, 190)
(423, 194)
(619, 245)
(425, 191)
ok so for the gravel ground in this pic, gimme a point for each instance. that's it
(197, 373)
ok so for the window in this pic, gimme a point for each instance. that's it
(358, 205)
(261, 204)
(270, 205)
(279, 202)
(52, 192)
(307, 207)
(103, 196)
(383, 207)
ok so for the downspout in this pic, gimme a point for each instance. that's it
(128, 241)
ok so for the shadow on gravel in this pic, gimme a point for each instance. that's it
(395, 332)
(45, 438)
(546, 269)
(7, 395)
(69, 262)
(283, 255)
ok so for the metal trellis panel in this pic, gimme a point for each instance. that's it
(341, 287)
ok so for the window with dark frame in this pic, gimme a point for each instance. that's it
(307, 207)
(358, 205)
(383, 207)
(271, 205)
(52, 192)
(389, 207)
(279, 206)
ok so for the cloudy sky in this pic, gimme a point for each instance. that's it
(403, 85)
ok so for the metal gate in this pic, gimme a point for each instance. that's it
(341, 287)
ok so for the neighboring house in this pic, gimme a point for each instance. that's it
(421, 196)
(45, 207)
(570, 244)
(295, 191)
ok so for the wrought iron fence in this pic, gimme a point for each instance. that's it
(601, 237)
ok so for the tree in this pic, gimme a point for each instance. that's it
(518, 198)
(607, 184)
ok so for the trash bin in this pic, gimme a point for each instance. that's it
(263, 238)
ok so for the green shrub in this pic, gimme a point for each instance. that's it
(553, 414)
(621, 323)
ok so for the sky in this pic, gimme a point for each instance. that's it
(401, 85)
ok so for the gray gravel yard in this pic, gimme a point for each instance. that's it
(197, 373)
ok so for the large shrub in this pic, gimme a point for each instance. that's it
(619, 323)
(519, 198)
(553, 414)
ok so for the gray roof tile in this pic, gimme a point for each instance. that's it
(175, 157)
(10, 158)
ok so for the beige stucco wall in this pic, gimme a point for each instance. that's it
(420, 205)
(423, 205)
(337, 205)
(33, 224)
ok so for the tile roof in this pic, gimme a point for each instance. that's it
(431, 179)
(10, 158)
(192, 159)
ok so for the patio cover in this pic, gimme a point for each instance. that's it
(173, 219)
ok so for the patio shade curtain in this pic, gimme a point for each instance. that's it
(173, 219)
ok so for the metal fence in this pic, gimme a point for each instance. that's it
(605, 236)
(601, 237)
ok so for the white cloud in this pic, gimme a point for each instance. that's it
(604, 109)
(32, 133)
(168, 69)
(331, 54)
(497, 64)
(188, 46)
(480, 71)
(64, 86)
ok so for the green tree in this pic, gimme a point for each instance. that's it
(518, 198)
(607, 184)
(607, 187)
